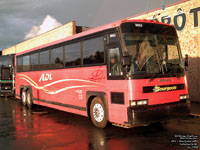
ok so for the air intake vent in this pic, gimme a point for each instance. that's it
(117, 98)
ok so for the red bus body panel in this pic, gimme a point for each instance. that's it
(66, 84)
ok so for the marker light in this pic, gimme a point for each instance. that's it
(143, 102)
(184, 97)
(138, 102)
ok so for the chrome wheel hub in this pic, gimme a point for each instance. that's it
(28, 99)
(24, 97)
(98, 112)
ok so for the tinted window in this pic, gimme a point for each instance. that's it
(6, 60)
(26, 63)
(112, 38)
(35, 61)
(73, 55)
(19, 64)
(148, 28)
(44, 60)
(5, 74)
(115, 68)
(57, 58)
(93, 51)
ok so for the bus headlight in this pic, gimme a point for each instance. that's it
(138, 102)
(184, 97)
(133, 103)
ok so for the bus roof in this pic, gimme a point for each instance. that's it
(91, 31)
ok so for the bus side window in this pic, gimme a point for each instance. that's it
(35, 61)
(115, 62)
(93, 51)
(57, 56)
(44, 60)
(73, 55)
(19, 63)
(26, 63)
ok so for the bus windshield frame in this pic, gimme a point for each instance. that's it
(154, 50)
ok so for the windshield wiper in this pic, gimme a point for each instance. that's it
(155, 75)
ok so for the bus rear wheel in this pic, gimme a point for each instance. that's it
(29, 99)
(98, 113)
(23, 97)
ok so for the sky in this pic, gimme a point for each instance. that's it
(23, 19)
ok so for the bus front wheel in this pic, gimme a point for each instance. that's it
(23, 97)
(98, 113)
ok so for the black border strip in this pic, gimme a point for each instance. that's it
(61, 104)
(150, 89)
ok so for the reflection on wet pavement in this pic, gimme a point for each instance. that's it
(45, 128)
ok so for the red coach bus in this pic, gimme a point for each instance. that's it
(129, 73)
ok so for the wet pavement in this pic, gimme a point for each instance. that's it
(195, 108)
(44, 128)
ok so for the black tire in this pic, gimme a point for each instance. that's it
(23, 97)
(98, 113)
(29, 99)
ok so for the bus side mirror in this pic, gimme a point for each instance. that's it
(126, 59)
(186, 63)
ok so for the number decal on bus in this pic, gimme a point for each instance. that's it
(79, 94)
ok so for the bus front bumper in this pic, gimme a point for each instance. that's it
(6, 89)
(6, 93)
(144, 115)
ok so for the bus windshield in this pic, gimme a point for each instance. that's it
(154, 48)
